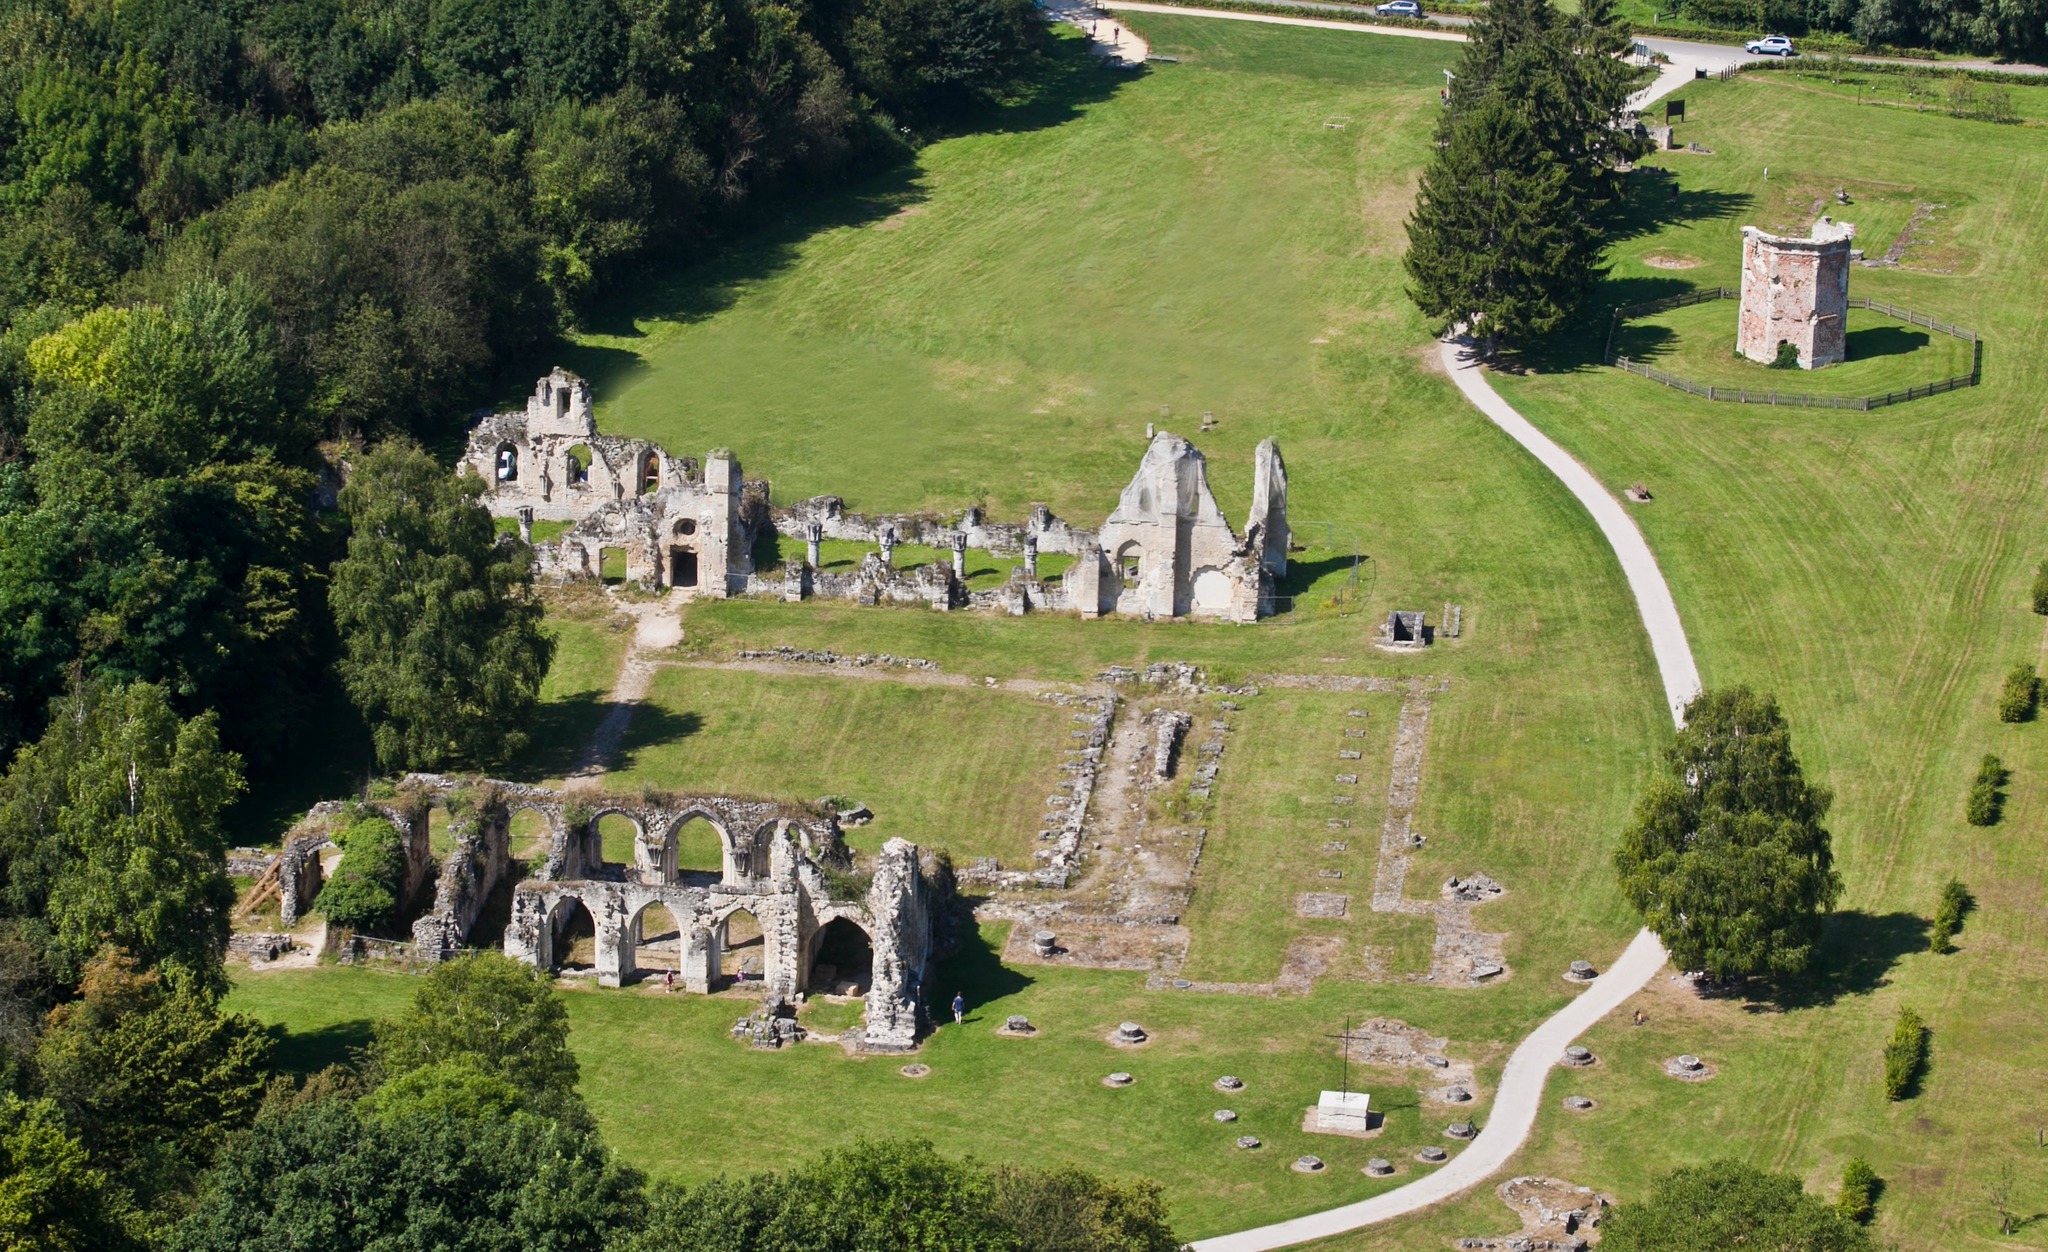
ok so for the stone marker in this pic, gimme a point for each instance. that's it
(1581, 971)
(1437, 1062)
(1230, 1082)
(1018, 1024)
(1379, 1167)
(1043, 943)
(1578, 1056)
(1224, 1115)
(1688, 1062)
(1118, 1079)
(1457, 1095)
(1130, 1032)
(1460, 1130)
(1578, 1103)
(1344, 1110)
(1247, 1141)
(915, 1071)
(1308, 1165)
(1433, 1155)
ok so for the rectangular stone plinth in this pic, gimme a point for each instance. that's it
(1344, 1110)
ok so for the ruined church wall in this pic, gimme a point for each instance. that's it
(1796, 291)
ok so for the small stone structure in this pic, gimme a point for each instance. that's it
(1405, 629)
(1166, 551)
(1343, 1112)
(1796, 291)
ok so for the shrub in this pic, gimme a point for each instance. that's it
(1858, 1200)
(1788, 356)
(1858, 1191)
(2022, 689)
(1948, 914)
(1986, 801)
(1904, 1054)
(366, 884)
(2041, 589)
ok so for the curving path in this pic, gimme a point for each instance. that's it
(1521, 1083)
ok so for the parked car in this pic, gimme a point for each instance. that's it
(1398, 8)
(1770, 45)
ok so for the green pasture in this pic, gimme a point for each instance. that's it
(1872, 570)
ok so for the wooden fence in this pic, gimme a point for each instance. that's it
(1743, 395)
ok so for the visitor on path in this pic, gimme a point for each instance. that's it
(668, 981)
(959, 1008)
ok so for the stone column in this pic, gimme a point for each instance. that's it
(700, 960)
(526, 523)
(615, 942)
(960, 556)
(814, 534)
(1030, 556)
(888, 545)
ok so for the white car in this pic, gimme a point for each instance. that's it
(1398, 8)
(1771, 45)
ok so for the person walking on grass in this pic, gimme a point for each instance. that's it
(959, 1008)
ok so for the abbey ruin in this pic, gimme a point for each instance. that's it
(701, 527)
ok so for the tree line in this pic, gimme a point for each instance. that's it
(2009, 29)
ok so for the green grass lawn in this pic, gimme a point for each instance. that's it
(951, 767)
(1698, 343)
(1871, 569)
(590, 644)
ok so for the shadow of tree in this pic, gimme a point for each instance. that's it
(303, 1052)
(1657, 200)
(563, 729)
(1302, 576)
(1857, 953)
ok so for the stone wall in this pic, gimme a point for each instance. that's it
(1796, 291)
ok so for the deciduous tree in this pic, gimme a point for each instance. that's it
(1729, 1205)
(442, 646)
(1726, 858)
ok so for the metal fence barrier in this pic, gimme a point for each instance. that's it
(1743, 395)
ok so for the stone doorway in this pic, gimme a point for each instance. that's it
(682, 567)
(845, 960)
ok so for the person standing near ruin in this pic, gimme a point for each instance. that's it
(959, 1008)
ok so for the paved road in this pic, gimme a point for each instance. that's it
(1685, 53)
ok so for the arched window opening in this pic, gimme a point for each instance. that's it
(616, 834)
(845, 961)
(508, 463)
(745, 949)
(1130, 563)
(575, 937)
(698, 848)
(530, 838)
(650, 472)
(577, 471)
(661, 942)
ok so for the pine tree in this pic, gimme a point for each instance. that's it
(1546, 181)
(1491, 239)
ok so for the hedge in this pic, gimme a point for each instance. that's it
(1948, 914)
(1843, 65)
(1904, 1054)
(1986, 801)
(2022, 689)
(1858, 1201)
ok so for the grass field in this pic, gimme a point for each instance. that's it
(998, 325)
(959, 768)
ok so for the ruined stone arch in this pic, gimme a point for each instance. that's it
(671, 839)
(840, 958)
(650, 471)
(1130, 563)
(560, 929)
(576, 463)
(505, 464)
